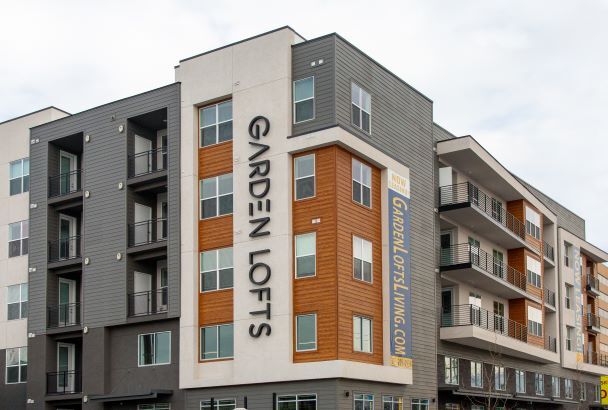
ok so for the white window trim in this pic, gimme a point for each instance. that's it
(217, 197)
(296, 178)
(18, 365)
(23, 175)
(453, 375)
(504, 378)
(371, 334)
(298, 332)
(542, 385)
(217, 336)
(19, 302)
(359, 106)
(155, 336)
(216, 125)
(373, 401)
(293, 90)
(371, 262)
(473, 362)
(216, 403)
(295, 268)
(523, 372)
(297, 395)
(361, 183)
(217, 270)
(553, 385)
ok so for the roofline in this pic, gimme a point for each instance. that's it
(35, 112)
(585, 241)
(444, 129)
(366, 56)
(242, 41)
(108, 103)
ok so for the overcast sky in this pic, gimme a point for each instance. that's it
(528, 79)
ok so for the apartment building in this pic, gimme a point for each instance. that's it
(14, 202)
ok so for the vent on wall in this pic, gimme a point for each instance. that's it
(316, 62)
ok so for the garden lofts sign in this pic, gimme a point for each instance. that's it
(259, 217)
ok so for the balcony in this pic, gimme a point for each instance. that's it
(592, 322)
(63, 315)
(66, 382)
(147, 169)
(473, 265)
(473, 326)
(549, 253)
(148, 303)
(65, 184)
(148, 232)
(596, 358)
(470, 206)
(64, 249)
(593, 285)
(549, 298)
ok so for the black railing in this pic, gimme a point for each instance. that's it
(592, 320)
(549, 297)
(551, 344)
(548, 251)
(471, 315)
(148, 302)
(67, 314)
(593, 283)
(145, 232)
(67, 382)
(465, 253)
(467, 193)
(64, 184)
(147, 162)
(64, 249)
(600, 359)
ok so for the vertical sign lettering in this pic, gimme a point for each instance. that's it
(578, 303)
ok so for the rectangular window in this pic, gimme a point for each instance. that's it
(219, 404)
(217, 342)
(306, 332)
(420, 404)
(17, 304)
(555, 386)
(216, 196)
(19, 176)
(583, 387)
(16, 365)
(499, 378)
(154, 406)
(154, 349)
(362, 183)
(306, 255)
(497, 210)
(498, 266)
(451, 370)
(362, 334)
(217, 269)
(533, 269)
(567, 254)
(539, 384)
(568, 298)
(18, 234)
(535, 321)
(297, 402)
(361, 108)
(215, 122)
(476, 374)
(362, 259)
(596, 392)
(477, 407)
(303, 100)
(304, 176)
(392, 403)
(364, 401)
(452, 406)
(568, 389)
(569, 337)
(532, 223)
(520, 381)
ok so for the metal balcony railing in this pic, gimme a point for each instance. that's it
(599, 359)
(65, 183)
(67, 382)
(467, 193)
(471, 315)
(66, 314)
(146, 232)
(147, 162)
(148, 302)
(551, 344)
(549, 297)
(591, 320)
(466, 253)
(65, 249)
(548, 251)
(593, 283)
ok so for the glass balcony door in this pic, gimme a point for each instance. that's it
(143, 155)
(67, 300)
(143, 224)
(142, 287)
(67, 236)
(66, 360)
(68, 165)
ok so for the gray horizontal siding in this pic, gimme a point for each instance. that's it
(441, 134)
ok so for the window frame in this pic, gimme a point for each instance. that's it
(534, 278)
(22, 187)
(217, 341)
(364, 399)
(359, 105)
(20, 302)
(520, 381)
(296, 256)
(216, 197)
(476, 366)
(154, 406)
(140, 335)
(500, 383)
(420, 402)
(539, 381)
(361, 164)
(297, 398)
(569, 338)
(371, 261)
(555, 386)
(216, 124)
(568, 297)
(18, 365)
(217, 269)
(314, 315)
(313, 98)
(363, 319)
(20, 239)
(392, 400)
(206, 404)
(568, 389)
(532, 228)
(313, 175)
(451, 364)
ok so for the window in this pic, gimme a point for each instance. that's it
(215, 123)
(539, 384)
(498, 263)
(451, 370)
(392, 403)
(596, 392)
(304, 174)
(520, 381)
(306, 332)
(362, 183)
(364, 401)
(567, 253)
(497, 210)
(154, 406)
(452, 406)
(499, 378)
(217, 270)
(303, 100)
(216, 196)
(568, 299)
(306, 255)
(535, 321)
(155, 349)
(583, 387)
(362, 259)
(362, 108)
(569, 337)
(533, 268)
(18, 233)
(362, 334)
(17, 301)
(297, 402)
(217, 342)
(477, 407)
(16, 365)
(568, 389)
(532, 223)
(555, 386)
(219, 404)
(420, 404)
(19, 176)
(476, 374)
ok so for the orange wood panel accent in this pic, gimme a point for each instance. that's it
(215, 307)
(215, 233)
(215, 160)
(518, 209)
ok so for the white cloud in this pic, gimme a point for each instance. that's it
(527, 79)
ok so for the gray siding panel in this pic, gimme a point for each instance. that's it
(12, 396)
(441, 134)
